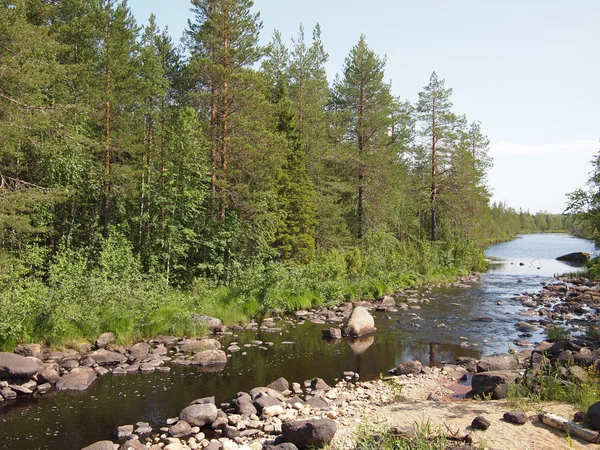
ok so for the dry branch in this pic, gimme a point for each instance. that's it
(562, 424)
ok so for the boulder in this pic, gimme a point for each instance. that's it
(317, 402)
(17, 366)
(211, 323)
(79, 379)
(387, 301)
(63, 355)
(199, 415)
(180, 429)
(48, 374)
(104, 339)
(359, 323)
(265, 401)
(100, 445)
(410, 367)
(138, 351)
(203, 400)
(254, 393)
(577, 258)
(35, 350)
(593, 415)
(309, 433)
(199, 345)
(244, 405)
(107, 358)
(280, 385)
(319, 385)
(210, 358)
(486, 383)
(494, 363)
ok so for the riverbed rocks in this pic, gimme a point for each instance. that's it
(106, 357)
(199, 415)
(359, 323)
(309, 433)
(493, 383)
(410, 367)
(17, 366)
(79, 379)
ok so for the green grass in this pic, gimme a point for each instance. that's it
(557, 333)
(425, 437)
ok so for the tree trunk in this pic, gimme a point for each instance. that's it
(434, 171)
(361, 165)
(149, 172)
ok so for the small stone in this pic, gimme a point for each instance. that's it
(480, 423)
(516, 417)
(124, 432)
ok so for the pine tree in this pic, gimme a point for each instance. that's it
(223, 42)
(29, 121)
(364, 103)
(438, 128)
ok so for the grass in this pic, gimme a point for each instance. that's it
(424, 437)
(557, 333)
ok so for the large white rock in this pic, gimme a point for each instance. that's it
(359, 323)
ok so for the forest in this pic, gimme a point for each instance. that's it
(143, 182)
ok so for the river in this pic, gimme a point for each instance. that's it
(474, 324)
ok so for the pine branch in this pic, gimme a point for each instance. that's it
(24, 105)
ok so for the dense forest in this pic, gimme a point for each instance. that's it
(142, 182)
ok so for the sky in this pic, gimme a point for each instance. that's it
(528, 70)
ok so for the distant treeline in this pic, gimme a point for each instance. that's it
(140, 181)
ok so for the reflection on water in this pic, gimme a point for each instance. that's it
(455, 322)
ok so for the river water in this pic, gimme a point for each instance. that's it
(473, 325)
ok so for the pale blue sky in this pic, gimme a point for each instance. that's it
(529, 70)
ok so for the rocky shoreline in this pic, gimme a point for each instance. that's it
(256, 419)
